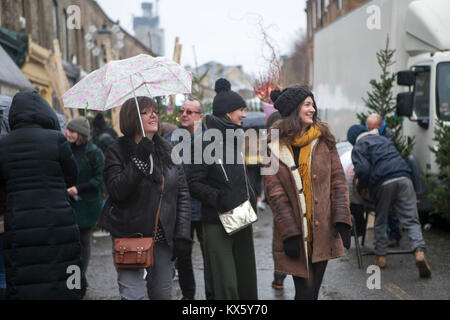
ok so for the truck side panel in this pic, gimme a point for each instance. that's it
(345, 59)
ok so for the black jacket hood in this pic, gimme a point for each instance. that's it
(99, 122)
(28, 108)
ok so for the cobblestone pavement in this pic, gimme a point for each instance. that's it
(343, 279)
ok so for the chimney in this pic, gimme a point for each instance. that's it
(147, 7)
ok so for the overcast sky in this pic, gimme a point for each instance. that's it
(225, 31)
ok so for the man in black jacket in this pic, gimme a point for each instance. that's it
(380, 168)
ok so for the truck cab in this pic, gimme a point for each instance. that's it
(427, 100)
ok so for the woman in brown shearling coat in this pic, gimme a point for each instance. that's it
(308, 193)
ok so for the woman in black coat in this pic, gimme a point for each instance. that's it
(42, 240)
(221, 187)
(134, 186)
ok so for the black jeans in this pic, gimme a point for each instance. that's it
(186, 271)
(85, 240)
(308, 289)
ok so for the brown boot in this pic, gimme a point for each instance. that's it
(381, 262)
(277, 284)
(422, 264)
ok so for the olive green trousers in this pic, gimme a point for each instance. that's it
(231, 263)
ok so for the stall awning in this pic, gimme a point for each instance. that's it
(15, 44)
(10, 73)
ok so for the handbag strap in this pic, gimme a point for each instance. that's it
(160, 203)
(245, 175)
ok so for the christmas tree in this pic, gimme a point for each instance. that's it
(381, 100)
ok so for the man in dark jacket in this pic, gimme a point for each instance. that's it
(191, 117)
(380, 168)
(42, 239)
(375, 121)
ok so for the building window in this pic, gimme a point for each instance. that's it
(55, 19)
(313, 14)
(325, 5)
(339, 2)
(309, 27)
(319, 9)
(66, 38)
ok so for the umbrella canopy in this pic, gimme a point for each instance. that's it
(118, 81)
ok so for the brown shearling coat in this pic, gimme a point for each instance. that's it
(330, 205)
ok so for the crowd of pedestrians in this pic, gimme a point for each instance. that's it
(55, 189)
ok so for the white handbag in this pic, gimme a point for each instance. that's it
(240, 217)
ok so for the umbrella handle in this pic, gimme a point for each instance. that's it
(137, 106)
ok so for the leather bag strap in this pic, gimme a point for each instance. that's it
(160, 202)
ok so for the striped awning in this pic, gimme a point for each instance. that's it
(254, 105)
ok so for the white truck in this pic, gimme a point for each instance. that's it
(345, 62)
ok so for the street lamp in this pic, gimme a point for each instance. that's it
(111, 40)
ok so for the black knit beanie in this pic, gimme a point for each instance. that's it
(289, 99)
(354, 132)
(226, 101)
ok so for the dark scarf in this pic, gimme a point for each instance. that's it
(161, 157)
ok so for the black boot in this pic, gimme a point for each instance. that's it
(2, 294)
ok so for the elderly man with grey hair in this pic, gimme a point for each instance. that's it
(375, 121)
(191, 117)
(380, 168)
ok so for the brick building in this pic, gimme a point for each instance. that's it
(321, 13)
(42, 21)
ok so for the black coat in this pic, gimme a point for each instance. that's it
(376, 160)
(133, 198)
(41, 236)
(220, 188)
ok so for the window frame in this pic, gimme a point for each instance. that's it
(438, 107)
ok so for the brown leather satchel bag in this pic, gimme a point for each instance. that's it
(137, 253)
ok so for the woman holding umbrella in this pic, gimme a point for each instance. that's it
(308, 194)
(134, 170)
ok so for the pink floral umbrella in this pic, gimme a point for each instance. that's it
(118, 81)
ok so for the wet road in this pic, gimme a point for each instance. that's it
(343, 279)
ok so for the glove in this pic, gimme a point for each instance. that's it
(182, 248)
(144, 149)
(291, 247)
(344, 230)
